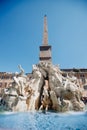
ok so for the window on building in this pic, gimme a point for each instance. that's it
(2, 77)
(83, 80)
(0, 84)
(82, 75)
(85, 87)
(5, 84)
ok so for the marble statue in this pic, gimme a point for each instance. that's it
(47, 89)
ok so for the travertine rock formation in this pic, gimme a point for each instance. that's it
(47, 89)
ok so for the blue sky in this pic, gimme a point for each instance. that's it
(21, 32)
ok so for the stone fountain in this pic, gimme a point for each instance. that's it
(46, 89)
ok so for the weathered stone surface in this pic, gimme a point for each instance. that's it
(46, 90)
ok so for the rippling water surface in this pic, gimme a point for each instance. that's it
(43, 121)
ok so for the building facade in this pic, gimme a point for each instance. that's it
(81, 75)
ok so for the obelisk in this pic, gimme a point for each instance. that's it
(45, 49)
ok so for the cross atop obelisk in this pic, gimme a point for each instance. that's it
(45, 49)
(45, 33)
